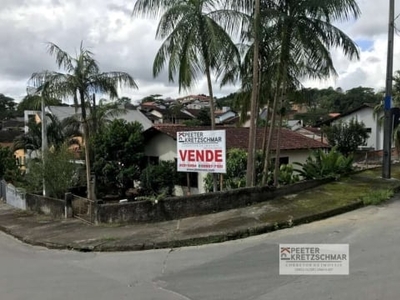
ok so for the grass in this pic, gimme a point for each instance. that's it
(366, 186)
(376, 197)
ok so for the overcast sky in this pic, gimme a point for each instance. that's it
(123, 43)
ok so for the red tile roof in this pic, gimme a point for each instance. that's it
(237, 137)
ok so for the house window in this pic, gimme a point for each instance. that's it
(153, 160)
(193, 179)
(183, 178)
(282, 161)
(369, 130)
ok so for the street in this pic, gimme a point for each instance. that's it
(243, 269)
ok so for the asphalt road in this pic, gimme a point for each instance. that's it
(244, 269)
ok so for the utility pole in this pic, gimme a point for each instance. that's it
(44, 140)
(387, 130)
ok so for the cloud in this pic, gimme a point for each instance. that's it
(123, 43)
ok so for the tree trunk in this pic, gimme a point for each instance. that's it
(264, 144)
(86, 138)
(212, 116)
(270, 134)
(250, 171)
(279, 133)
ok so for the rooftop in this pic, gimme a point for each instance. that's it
(237, 137)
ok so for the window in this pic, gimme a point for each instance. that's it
(183, 179)
(282, 161)
(153, 160)
(369, 130)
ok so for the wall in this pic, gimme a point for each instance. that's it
(162, 146)
(366, 115)
(45, 205)
(183, 207)
(15, 197)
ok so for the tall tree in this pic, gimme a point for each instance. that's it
(7, 107)
(33, 102)
(250, 173)
(82, 79)
(196, 40)
(305, 32)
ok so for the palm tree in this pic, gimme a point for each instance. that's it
(58, 134)
(305, 34)
(196, 40)
(81, 79)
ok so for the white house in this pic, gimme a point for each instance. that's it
(161, 145)
(364, 113)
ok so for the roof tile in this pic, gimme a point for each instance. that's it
(237, 137)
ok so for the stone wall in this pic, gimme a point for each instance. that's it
(188, 206)
(45, 205)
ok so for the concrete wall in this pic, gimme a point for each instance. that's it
(366, 115)
(183, 207)
(45, 205)
(15, 197)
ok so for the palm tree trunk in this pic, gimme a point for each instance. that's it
(87, 146)
(270, 134)
(264, 144)
(212, 116)
(278, 151)
(250, 171)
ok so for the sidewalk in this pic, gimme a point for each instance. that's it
(318, 203)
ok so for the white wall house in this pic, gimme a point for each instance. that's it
(365, 113)
(161, 145)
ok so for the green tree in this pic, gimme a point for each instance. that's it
(119, 156)
(306, 32)
(33, 102)
(196, 42)
(81, 79)
(59, 172)
(7, 107)
(8, 165)
(58, 134)
(347, 137)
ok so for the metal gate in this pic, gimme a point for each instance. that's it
(83, 209)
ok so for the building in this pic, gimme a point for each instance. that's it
(160, 145)
(364, 113)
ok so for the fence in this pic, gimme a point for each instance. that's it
(12, 195)
(82, 208)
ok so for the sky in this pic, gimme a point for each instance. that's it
(121, 42)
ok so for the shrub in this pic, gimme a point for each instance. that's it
(58, 171)
(159, 179)
(320, 165)
(287, 175)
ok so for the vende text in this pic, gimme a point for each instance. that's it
(201, 155)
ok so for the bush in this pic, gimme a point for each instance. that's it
(58, 171)
(322, 165)
(159, 179)
(236, 165)
(287, 175)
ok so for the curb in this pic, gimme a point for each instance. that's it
(196, 241)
